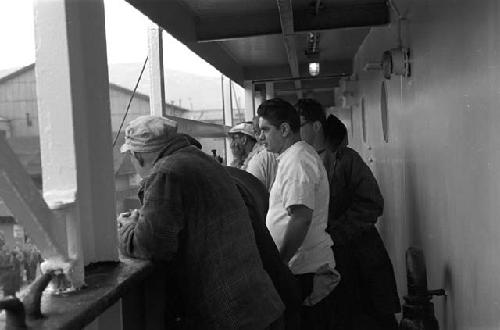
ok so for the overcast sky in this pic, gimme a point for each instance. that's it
(126, 34)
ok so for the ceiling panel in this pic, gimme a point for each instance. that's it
(242, 38)
(331, 3)
(257, 51)
(204, 8)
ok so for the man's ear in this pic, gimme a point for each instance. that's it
(316, 126)
(285, 129)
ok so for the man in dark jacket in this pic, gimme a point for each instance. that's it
(193, 217)
(256, 198)
(366, 297)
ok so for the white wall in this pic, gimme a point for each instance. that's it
(440, 170)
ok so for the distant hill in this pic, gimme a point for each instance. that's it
(187, 90)
(184, 89)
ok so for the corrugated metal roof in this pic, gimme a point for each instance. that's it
(14, 72)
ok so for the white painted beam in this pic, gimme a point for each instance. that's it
(286, 19)
(269, 90)
(228, 116)
(249, 100)
(75, 126)
(29, 208)
(156, 74)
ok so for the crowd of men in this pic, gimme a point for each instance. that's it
(19, 265)
(285, 238)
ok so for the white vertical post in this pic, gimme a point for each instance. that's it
(269, 90)
(157, 82)
(249, 100)
(75, 124)
(228, 117)
(259, 95)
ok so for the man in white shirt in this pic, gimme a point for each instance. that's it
(298, 210)
(261, 163)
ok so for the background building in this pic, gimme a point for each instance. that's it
(19, 120)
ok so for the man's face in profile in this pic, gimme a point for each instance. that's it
(270, 136)
(238, 142)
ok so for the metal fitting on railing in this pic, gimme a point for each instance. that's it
(64, 279)
(14, 313)
(18, 312)
(418, 310)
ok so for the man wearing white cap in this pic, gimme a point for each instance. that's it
(242, 143)
(251, 155)
(193, 217)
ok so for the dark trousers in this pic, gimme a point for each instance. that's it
(366, 297)
(316, 317)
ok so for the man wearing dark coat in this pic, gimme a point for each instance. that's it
(256, 198)
(193, 217)
(367, 296)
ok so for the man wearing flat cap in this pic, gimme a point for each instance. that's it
(193, 218)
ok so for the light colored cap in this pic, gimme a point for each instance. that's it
(243, 128)
(148, 134)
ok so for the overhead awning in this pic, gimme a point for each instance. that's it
(198, 129)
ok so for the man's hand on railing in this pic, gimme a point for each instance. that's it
(126, 223)
(127, 217)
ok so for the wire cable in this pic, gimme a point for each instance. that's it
(130, 101)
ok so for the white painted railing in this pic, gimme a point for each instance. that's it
(26, 203)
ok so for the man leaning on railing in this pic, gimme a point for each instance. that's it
(193, 217)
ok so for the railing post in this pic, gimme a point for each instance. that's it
(75, 128)
(75, 124)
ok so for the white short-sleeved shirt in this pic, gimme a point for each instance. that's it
(301, 179)
(262, 164)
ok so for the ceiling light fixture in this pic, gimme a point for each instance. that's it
(314, 69)
(312, 53)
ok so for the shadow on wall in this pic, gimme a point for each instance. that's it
(413, 211)
(449, 305)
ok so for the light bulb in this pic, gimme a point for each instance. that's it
(314, 69)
